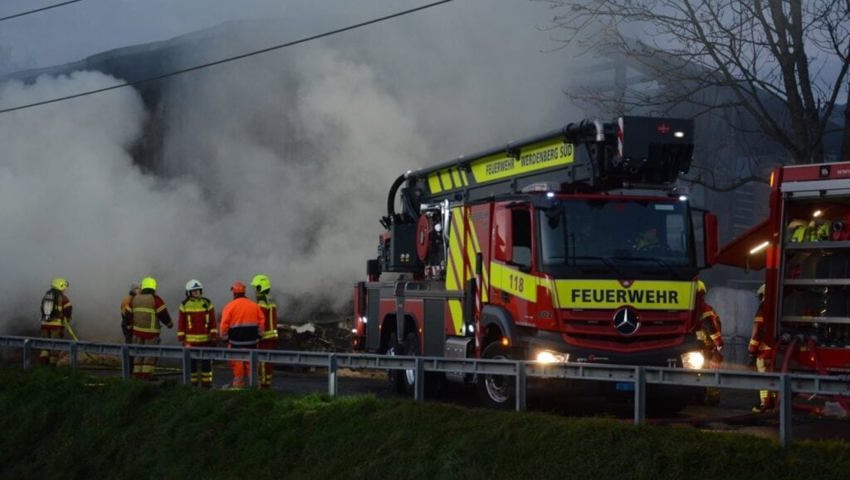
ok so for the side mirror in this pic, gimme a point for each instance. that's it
(710, 240)
(522, 257)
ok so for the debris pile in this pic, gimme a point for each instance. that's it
(315, 337)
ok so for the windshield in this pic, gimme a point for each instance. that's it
(620, 236)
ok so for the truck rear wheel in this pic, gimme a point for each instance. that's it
(497, 391)
(403, 382)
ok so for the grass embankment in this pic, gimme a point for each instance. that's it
(60, 424)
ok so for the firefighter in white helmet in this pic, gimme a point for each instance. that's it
(269, 338)
(761, 354)
(197, 327)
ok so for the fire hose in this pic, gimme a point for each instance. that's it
(810, 346)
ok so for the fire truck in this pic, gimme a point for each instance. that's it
(571, 246)
(804, 248)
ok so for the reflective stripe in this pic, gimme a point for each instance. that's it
(185, 308)
(269, 308)
(197, 338)
(146, 330)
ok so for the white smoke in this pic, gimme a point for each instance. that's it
(277, 164)
(232, 200)
(296, 177)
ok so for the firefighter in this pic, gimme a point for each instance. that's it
(125, 302)
(710, 333)
(269, 338)
(647, 240)
(761, 355)
(242, 323)
(145, 315)
(196, 327)
(55, 316)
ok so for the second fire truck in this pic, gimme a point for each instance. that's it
(804, 247)
(570, 246)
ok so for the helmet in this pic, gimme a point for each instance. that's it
(59, 284)
(261, 283)
(238, 287)
(148, 283)
(700, 286)
(193, 285)
(760, 291)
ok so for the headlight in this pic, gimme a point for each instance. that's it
(546, 356)
(693, 360)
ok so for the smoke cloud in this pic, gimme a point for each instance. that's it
(278, 166)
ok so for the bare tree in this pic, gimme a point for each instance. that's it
(780, 65)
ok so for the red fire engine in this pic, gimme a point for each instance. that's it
(804, 247)
(570, 246)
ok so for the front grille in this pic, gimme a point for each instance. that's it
(595, 330)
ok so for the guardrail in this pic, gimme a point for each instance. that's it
(640, 376)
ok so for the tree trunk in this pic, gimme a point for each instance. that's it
(845, 138)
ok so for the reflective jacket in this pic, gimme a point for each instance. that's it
(758, 345)
(146, 313)
(241, 322)
(125, 304)
(196, 323)
(710, 328)
(59, 307)
(269, 308)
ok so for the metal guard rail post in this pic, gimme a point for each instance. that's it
(640, 376)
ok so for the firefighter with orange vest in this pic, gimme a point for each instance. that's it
(196, 327)
(761, 355)
(711, 335)
(145, 316)
(242, 322)
(269, 338)
(55, 316)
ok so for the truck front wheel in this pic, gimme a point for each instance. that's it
(497, 391)
(403, 381)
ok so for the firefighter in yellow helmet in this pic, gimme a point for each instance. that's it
(145, 315)
(55, 315)
(761, 354)
(710, 333)
(269, 338)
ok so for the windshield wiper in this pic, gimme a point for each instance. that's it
(656, 260)
(604, 260)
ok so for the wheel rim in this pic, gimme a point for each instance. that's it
(409, 374)
(498, 386)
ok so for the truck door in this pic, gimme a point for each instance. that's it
(513, 255)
